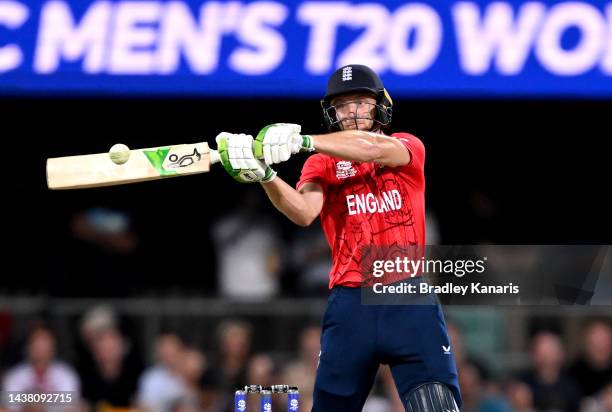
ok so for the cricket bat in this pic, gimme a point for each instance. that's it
(129, 166)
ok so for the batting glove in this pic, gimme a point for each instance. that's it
(276, 143)
(236, 156)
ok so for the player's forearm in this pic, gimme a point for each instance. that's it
(354, 145)
(362, 146)
(290, 202)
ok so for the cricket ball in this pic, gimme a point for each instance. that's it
(119, 153)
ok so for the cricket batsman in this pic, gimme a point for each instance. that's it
(369, 190)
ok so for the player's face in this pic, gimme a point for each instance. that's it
(355, 111)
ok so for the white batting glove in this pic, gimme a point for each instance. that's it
(236, 156)
(276, 143)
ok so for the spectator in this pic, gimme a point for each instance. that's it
(302, 372)
(602, 401)
(106, 240)
(41, 372)
(462, 356)
(311, 261)
(247, 248)
(520, 397)
(475, 396)
(228, 371)
(552, 389)
(162, 387)
(432, 228)
(594, 367)
(96, 319)
(193, 366)
(377, 400)
(456, 339)
(113, 380)
(262, 371)
(384, 396)
(107, 229)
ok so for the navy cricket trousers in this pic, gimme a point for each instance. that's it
(356, 338)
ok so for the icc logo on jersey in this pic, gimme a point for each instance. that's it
(345, 169)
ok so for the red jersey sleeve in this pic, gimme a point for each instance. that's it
(415, 147)
(314, 170)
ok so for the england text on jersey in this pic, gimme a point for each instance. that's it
(369, 203)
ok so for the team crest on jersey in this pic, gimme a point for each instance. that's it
(345, 169)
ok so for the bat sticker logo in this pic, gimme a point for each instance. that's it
(158, 157)
(185, 160)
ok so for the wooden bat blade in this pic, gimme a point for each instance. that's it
(96, 170)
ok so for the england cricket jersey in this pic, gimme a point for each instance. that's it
(368, 205)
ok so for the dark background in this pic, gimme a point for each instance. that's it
(498, 171)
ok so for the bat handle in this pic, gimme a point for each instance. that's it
(214, 156)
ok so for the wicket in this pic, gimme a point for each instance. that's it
(266, 392)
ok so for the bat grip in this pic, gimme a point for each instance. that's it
(214, 156)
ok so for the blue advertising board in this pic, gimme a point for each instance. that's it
(288, 48)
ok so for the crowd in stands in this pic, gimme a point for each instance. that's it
(111, 374)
